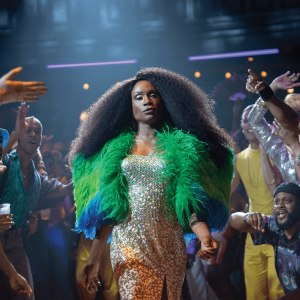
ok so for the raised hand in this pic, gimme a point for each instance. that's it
(209, 248)
(286, 81)
(289, 138)
(89, 277)
(6, 222)
(254, 83)
(20, 285)
(19, 91)
(22, 124)
(255, 220)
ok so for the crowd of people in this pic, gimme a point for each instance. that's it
(156, 201)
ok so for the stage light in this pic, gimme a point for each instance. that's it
(227, 75)
(234, 54)
(263, 74)
(250, 58)
(290, 91)
(92, 64)
(197, 74)
(83, 116)
(86, 86)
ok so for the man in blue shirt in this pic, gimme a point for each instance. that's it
(25, 190)
(282, 231)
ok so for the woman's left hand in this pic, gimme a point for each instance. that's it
(209, 248)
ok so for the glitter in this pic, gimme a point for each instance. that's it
(147, 247)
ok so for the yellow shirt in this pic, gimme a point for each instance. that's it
(260, 198)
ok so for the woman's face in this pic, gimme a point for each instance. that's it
(147, 105)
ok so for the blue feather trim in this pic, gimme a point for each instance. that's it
(91, 220)
(213, 212)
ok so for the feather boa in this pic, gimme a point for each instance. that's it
(194, 182)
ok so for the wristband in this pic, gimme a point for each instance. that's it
(267, 93)
(244, 219)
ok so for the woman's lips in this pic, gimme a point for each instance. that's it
(149, 111)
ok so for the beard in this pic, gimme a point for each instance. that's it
(293, 218)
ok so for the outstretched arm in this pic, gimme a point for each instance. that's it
(253, 221)
(280, 110)
(19, 91)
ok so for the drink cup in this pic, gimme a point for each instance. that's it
(4, 209)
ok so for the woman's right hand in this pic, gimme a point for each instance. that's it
(6, 222)
(89, 277)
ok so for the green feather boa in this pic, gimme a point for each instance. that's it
(188, 164)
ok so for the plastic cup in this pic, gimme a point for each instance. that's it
(4, 209)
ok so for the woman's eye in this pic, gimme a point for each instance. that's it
(153, 95)
(140, 97)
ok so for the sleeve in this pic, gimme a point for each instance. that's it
(271, 143)
(269, 236)
(47, 187)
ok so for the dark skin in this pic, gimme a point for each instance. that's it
(283, 203)
(148, 112)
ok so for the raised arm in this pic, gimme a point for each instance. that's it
(89, 275)
(19, 91)
(280, 110)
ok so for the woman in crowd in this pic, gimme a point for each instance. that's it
(149, 164)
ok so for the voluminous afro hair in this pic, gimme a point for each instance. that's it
(187, 108)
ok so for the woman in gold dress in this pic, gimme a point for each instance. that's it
(150, 164)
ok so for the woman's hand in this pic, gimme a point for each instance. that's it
(289, 138)
(89, 277)
(22, 124)
(6, 221)
(255, 220)
(254, 83)
(20, 285)
(209, 248)
(18, 91)
(285, 81)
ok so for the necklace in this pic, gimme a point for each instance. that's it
(256, 184)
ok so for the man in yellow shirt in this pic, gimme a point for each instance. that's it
(260, 179)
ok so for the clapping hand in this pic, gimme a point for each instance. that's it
(286, 81)
(289, 138)
(22, 124)
(19, 91)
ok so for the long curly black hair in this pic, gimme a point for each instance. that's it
(187, 107)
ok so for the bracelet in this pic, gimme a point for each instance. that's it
(297, 160)
(244, 219)
(266, 94)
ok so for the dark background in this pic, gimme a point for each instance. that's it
(161, 33)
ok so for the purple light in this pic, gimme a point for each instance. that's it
(233, 54)
(92, 64)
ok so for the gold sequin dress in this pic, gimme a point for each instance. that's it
(147, 248)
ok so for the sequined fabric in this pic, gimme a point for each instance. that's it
(147, 247)
(271, 143)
